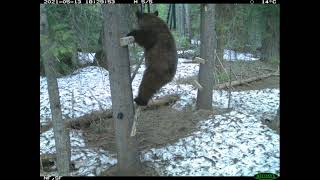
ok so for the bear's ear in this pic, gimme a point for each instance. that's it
(138, 14)
(156, 13)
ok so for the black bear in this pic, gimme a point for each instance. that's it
(161, 56)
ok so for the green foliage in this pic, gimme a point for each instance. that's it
(163, 11)
(240, 27)
(70, 28)
(195, 19)
(181, 41)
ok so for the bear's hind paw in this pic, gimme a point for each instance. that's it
(140, 102)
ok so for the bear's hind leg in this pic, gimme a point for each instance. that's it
(150, 84)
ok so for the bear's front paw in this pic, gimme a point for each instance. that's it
(140, 101)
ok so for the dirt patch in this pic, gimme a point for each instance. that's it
(270, 82)
(144, 170)
(156, 127)
(247, 69)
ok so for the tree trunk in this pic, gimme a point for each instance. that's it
(219, 34)
(168, 15)
(180, 19)
(270, 41)
(184, 20)
(100, 57)
(174, 17)
(206, 77)
(121, 92)
(61, 134)
(188, 22)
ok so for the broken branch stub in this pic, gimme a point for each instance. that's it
(198, 85)
(199, 60)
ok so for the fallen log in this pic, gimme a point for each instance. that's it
(162, 101)
(244, 81)
(94, 117)
(196, 60)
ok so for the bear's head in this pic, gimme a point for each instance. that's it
(149, 20)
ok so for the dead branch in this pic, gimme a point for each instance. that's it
(243, 81)
(217, 57)
(163, 101)
(196, 60)
(197, 84)
(99, 103)
(94, 117)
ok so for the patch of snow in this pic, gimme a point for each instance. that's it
(185, 51)
(85, 58)
(230, 149)
(87, 161)
(231, 55)
(194, 41)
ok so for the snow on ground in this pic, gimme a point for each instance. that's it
(233, 56)
(194, 41)
(90, 89)
(228, 55)
(86, 90)
(185, 51)
(86, 58)
(88, 161)
(231, 144)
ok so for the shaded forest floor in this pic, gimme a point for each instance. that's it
(252, 69)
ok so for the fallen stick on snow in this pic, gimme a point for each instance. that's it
(245, 81)
(96, 116)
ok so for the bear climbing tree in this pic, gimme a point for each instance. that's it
(160, 54)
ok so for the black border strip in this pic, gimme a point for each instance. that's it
(270, 2)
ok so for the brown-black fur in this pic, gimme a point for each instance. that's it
(160, 54)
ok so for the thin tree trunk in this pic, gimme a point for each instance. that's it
(180, 19)
(206, 77)
(219, 37)
(168, 16)
(270, 42)
(61, 134)
(174, 16)
(148, 7)
(188, 22)
(121, 92)
(184, 26)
